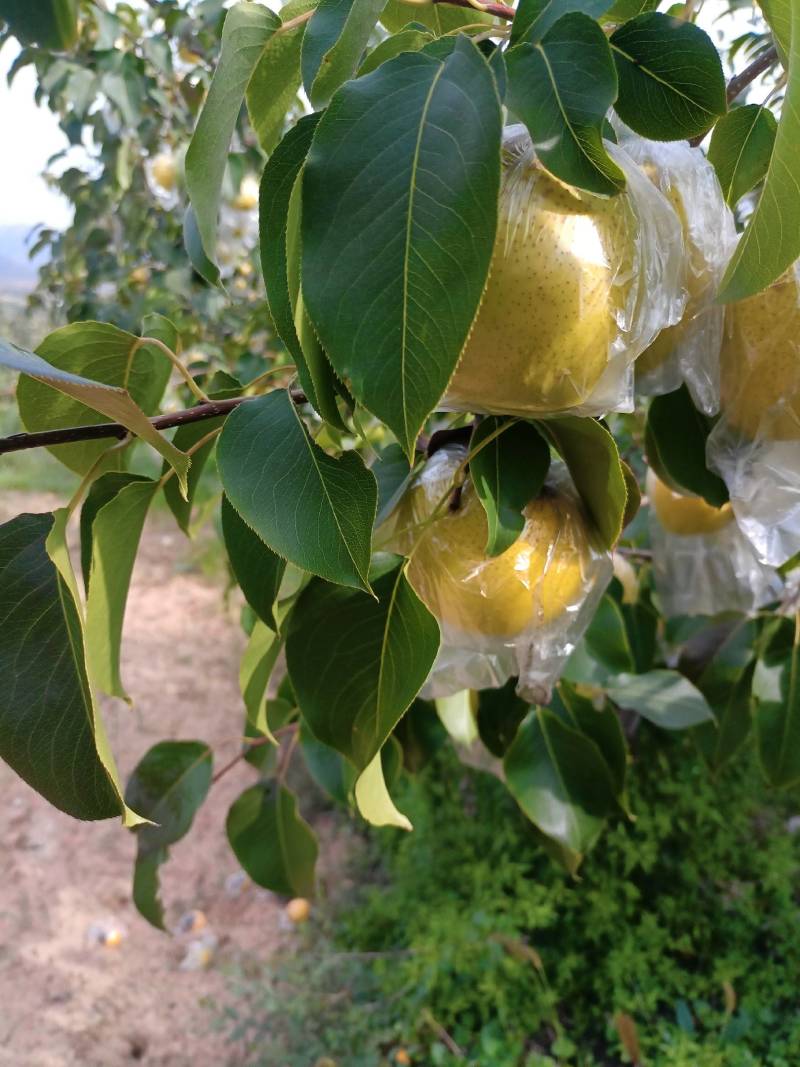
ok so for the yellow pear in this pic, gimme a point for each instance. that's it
(689, 183)
(530, 584)
(685, 515)
(760, 362)
(559, 285)
(139, 276)
(298, 910)
(247, 197)
(165, 171)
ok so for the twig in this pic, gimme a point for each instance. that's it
(500, 11)
(256, 742)
(739, 82)
(18, 442)
(442, 1034)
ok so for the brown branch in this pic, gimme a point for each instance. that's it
(500, 11)
(256, 742)
(739, 82)
(18, 442)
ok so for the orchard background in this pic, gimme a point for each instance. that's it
(461, 343)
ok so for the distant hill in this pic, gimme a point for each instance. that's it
(17, 271)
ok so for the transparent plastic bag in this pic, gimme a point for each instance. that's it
(517, 614)
(689, 351)
(702, 562)
(755, 446)
(579, 286)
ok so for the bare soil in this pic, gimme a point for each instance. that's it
(63, 1000)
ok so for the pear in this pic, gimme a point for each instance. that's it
(682, 514)
(247, 197)
(535, 581)
(760, 362)
(689, 182)
(565, 292)
(164, 170)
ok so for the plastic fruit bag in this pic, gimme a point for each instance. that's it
(518, 614)
(702, 562)
(578, 287)
(755, 446)
(689, 351)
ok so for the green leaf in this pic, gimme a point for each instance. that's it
(778, 14)
(255, 672)
(500, 711)
(440, 19)
(373, 799)
(562, 783)
(607, 637)
(279, 202)
(410, 39)
(335, 39)
(84, 374)
(167, 786)
(51, 24)
(671, 84)
(335, 775)
(356, 663)
(274, 845)
(534, 18)
(507, 473)
(664, 697)
(776, 691)
(256, 568)
(457, 713)
(116, 530)
(771, 241)
(592, 457)
(602, 725)
(247, 30)
(421, 735)
(562, 87)
(623, 10)
(400, 192)
(50, 735)
(740, 149)
(314, 510)
(393, 474)
(188, 436)
(101, 491)
(193, 244)
(276, 79)
(679, 458)
(720, 660)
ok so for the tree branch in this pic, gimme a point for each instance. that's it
(500, 11)
(739, 82)
(18, 442)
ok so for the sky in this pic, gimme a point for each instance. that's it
(33, 135)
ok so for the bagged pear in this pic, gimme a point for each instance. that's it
(755, 446)
(518, 614)
(689, 350)
(702, 562)
(578, 287)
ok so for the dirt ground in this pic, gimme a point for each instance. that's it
(63, 1000)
